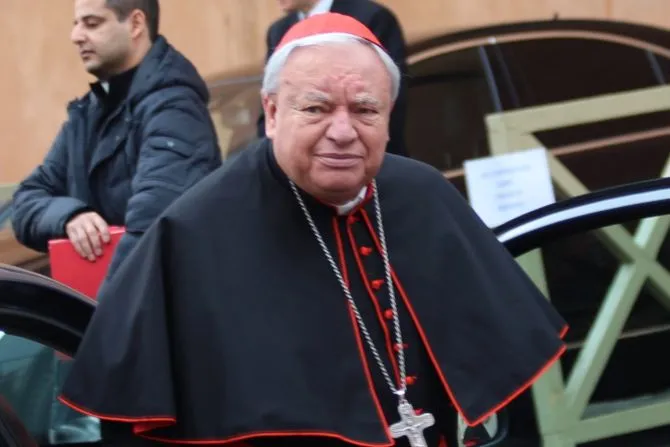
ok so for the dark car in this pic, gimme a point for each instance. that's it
(43, 322)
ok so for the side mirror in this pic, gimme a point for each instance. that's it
(490, 433)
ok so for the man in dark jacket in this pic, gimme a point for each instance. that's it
(383, 24)
(130, 146)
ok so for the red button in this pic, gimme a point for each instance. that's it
(377, 284)
(388, 314)
(411, 380)
(365, 251)
(398, 347)
(418, 411)
(352, 219)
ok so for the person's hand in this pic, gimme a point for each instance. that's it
(87, 232)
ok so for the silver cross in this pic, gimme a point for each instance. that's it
(412, 425)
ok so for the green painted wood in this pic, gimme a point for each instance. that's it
(564, 414)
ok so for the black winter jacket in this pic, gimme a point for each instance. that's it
(159, 142)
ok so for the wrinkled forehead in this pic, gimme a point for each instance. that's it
(335, 69)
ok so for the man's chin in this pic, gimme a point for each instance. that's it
(92, 68)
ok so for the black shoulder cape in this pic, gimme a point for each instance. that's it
(226, 322)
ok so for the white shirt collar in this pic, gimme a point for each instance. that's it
(321, 7)
(350, 205)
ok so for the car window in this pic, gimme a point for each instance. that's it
(31, 375)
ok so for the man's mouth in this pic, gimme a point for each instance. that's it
(339, 161)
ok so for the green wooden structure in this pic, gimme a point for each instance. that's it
(565, 416)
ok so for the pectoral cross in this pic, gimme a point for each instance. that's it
(411, 425)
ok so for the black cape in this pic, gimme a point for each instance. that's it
(227, 323)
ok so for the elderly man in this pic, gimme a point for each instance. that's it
(316, 291)
(382, 23)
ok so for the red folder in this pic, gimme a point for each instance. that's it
(69, 268)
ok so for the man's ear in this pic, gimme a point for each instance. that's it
(270, 110)
(137, 21)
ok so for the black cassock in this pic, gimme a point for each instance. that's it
(227, 322)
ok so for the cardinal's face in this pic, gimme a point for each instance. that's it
(329, 118)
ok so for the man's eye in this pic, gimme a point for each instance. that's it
(313, 109)
(366, 111)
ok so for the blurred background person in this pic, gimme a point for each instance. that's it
(138, 139)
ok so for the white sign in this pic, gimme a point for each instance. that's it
(503, 187)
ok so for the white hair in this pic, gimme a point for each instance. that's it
(278, 59)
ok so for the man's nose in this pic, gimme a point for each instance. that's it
(77, 35)
(341, 129)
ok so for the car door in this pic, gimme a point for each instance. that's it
(41, 325)
(632, 371)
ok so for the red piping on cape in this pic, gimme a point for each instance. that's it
(373, 298)
(359, 341)
(433, 359)
(141, 425)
